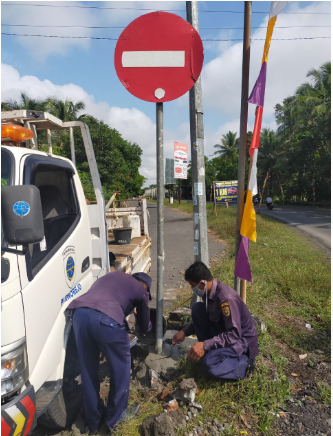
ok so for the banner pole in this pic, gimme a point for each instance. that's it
(243, 130)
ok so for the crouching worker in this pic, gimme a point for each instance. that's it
(228, 340)
(99, 324)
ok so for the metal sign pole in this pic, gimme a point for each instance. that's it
(243, 130)
(198, 157)
(160, 227)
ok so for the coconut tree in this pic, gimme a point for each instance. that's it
(25, 102)
(228, 148)
(65, 110)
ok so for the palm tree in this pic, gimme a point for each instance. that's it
(25, 102)
(228, 147)
(313, 98)
(65, 110)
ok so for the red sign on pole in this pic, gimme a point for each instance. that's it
(180, 155)
(158, 57)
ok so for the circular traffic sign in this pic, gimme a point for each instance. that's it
(159, 57)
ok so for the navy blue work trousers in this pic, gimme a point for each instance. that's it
(222, 363)
(94, 332)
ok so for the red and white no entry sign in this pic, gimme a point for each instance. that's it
(158, 57)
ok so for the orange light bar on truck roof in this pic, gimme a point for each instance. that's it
(16, 133)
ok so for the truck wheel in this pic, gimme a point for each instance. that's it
(65, 407)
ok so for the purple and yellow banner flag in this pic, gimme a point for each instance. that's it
(257, 97)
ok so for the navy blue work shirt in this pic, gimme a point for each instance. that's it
(232, 319)
(116, 295)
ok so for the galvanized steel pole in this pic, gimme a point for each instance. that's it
(71, 138)
(197, 158)
(243, 129)
(160, 227)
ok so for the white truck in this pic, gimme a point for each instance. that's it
(53, 247)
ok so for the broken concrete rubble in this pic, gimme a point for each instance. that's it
(196, 406)
(153, 376)
(260, 325)
(165, 392)
(163, 424)
(172, 405)
(186, 391)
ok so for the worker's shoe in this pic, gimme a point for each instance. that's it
(250, 368)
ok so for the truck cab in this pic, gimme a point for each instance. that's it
(39, 365)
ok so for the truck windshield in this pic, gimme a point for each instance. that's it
(6, 169)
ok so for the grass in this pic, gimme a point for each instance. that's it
(291, 278)
(291, 287)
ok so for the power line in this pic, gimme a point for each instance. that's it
(116, 39)
(122, 27)
(164, 10)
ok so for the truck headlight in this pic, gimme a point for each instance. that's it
(14, 370)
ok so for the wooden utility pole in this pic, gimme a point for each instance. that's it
(243, 131)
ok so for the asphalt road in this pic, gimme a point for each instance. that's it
(178, 248)
(314, 222)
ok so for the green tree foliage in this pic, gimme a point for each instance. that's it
(64, 110)
(118, 160)
(228, 149)
(297, 153)
(303, 149)
(25, 102)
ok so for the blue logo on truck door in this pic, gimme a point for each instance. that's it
(69, 261)
(21, 208)
(70, 268)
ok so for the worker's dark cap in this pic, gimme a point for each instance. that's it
(143, 277)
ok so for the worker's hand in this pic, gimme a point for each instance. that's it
(197, 351)
(135, 311)
(178, 338)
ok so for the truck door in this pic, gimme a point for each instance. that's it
(59, 268)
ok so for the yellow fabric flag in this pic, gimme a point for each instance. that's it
(270, 28)
(248, 227)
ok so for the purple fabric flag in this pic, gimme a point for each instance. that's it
(257, 96)
(242, 267)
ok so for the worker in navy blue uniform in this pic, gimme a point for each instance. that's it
(99, 324)
(227, 338)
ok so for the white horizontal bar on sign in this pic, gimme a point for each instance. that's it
(153, 59)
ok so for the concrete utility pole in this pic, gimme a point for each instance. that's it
(197, 158)
(243, 131)
(160, 227)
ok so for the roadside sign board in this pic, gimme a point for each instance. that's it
(169, 171)
(158, 57)
(180, 153)
(225, 191)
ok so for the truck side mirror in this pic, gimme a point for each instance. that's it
(22, 217)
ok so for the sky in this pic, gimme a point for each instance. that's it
(83, 69)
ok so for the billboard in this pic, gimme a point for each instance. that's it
(225, 191)
(180, 151)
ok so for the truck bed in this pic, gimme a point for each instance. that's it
(131, 258)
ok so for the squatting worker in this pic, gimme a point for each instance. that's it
(228, 340)
(99, 324)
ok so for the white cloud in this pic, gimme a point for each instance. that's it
(287, 66)
(120, 14)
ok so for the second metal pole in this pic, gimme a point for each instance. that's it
(198, 156)
(160, 227)
(243, 129)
